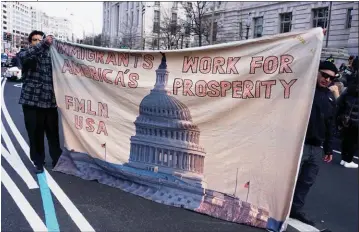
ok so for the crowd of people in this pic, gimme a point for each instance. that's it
(345, 90)
(334, 114)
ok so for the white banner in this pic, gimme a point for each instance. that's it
(218, 129)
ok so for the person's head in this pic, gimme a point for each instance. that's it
(326, 74)
(35, 37)
(355, 64)
(350, 60)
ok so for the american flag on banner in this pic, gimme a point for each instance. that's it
(103, 145)
(247, 184)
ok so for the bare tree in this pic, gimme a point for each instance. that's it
(129, 34)
(167, 30)
(170, 30)
(199, 23)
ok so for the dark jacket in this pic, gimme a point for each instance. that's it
(321, 122)
(37, 89)
(348, 105)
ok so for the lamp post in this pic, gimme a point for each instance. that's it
(248, 24)
(182, 35)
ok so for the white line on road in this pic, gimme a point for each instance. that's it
(29, 213)
(300, 226)
(70, 208)
(16, 163)
(338, 152)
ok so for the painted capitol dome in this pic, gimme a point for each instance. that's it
(166, 140)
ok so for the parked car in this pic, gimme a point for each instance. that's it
(4, 58)
(13, 74)
(9, 62)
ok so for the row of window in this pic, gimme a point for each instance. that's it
(188, 136)
(320, 19)
(167, 157)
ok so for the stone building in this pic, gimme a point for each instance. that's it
(167, 140)
(269, 18)
(128, 22)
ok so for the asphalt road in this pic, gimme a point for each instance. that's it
(332, 202)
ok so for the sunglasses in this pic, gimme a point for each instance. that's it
(326, 75)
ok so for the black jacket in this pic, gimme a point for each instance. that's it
(321, 123)
(348, 105)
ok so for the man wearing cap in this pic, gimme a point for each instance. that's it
(319, 134)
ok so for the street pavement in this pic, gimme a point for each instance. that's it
(332, 202)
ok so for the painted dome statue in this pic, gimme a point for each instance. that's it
(166, 139)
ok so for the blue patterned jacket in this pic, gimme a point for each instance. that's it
(37, 88)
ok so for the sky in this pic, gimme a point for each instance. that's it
(86, 16)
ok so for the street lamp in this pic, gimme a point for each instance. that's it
(248, 24)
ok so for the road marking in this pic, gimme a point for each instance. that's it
(70, 208)
(300, 226)
(26, 209)
(18, 85)
(48, 204)
(16, 163)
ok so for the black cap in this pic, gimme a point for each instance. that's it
(326, 65)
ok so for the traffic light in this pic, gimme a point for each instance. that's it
(9, 37)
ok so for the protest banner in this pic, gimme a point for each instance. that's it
(218, 130)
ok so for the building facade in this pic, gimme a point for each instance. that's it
(125, 23)
(19, 19)
(16, 21)
(269, 18)
(231, 19)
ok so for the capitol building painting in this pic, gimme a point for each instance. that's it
(166, 162)
(167, 141)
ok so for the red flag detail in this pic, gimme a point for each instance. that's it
(103, 145)
(247, 184)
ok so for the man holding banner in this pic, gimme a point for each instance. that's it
(38, 99)
(319, 133)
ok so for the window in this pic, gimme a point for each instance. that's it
(174, 18)
(258, 27)
(157, 16)
(138, 17)
(320, 17)
(155, 43)
(157, 3)
(285, 22)
(4, 16)
(4, 11)
(4, 6)
(349, 18)
(4, 22)
(156, 22)
(175, 5)
(215, 29)
(5, 28)
(189, 4)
